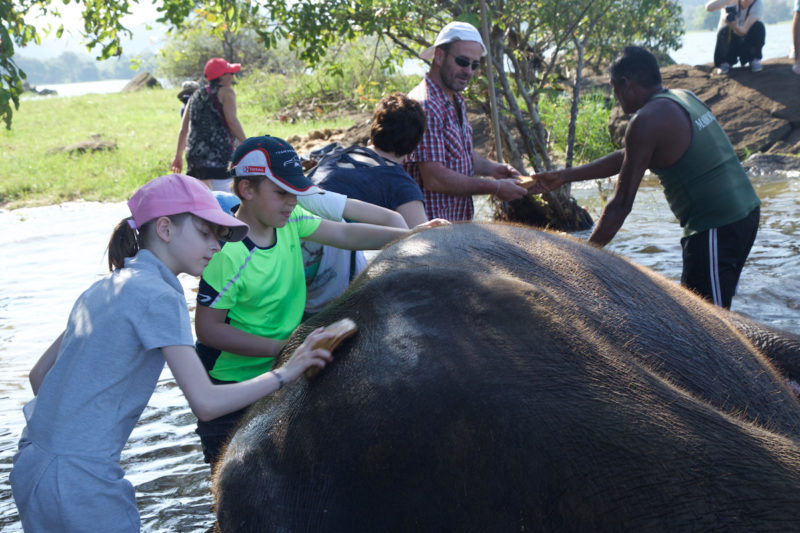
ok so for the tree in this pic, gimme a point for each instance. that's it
(187, 51)
(703, 19)
(651, 23)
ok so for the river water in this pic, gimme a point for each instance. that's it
(49, 255)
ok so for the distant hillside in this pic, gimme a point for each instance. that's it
(66, 60)
(71, 67)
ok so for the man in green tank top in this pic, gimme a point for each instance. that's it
(676, 136)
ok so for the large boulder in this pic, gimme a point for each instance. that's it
(143, 80)
(95, 143)
(27, 87)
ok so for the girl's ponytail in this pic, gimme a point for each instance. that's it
(123, 243)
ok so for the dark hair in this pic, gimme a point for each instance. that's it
(255, 182)
(123, 243)
(636, 64)
(398, 124)
(126, 241)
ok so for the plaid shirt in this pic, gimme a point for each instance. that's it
(447, 142)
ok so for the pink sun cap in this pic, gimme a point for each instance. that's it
(174, 194)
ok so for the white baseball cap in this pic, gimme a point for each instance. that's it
(455, 31)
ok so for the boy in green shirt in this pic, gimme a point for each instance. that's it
(252, 294)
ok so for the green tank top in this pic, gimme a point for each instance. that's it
(707, 187)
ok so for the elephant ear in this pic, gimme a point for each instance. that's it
(342, 329)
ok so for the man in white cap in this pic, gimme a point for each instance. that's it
(444, 164)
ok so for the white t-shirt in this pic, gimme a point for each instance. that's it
(756, 11)
(328, 205)
(328, 269)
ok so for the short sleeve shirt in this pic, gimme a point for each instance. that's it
(109, 360)
(360, 173)
(263, 290)
(755, 10)
(447, 140)
(329, 205)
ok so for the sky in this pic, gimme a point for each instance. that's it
(142, 15)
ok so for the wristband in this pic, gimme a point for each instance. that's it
(278, 376)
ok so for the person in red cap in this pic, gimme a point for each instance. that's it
(92, 384)
(210, 129)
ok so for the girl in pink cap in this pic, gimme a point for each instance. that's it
(92, 384)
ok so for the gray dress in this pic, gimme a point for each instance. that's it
(66, 474)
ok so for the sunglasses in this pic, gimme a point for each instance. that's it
(463, 62)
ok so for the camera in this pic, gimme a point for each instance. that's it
(731, 13)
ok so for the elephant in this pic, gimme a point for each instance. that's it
(509, 379)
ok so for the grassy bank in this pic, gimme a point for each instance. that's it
(144, 125)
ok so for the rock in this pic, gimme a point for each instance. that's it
(143, 80)
(315, 139)
(94, 144)
(771, 163)
(760, 112)
(27, 87)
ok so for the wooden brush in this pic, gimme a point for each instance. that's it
(343, 329)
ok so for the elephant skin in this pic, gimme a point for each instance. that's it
(508, 379)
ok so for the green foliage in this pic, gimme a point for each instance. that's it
(524, 32)
(654, 24)
(186, 52)
(351, 76)
(592, 139)
(13, 29)
(703, 19)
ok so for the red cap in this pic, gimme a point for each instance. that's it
(217, 66)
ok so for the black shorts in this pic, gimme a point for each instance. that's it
(215, 434)
(208, 173)
(713, 259)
